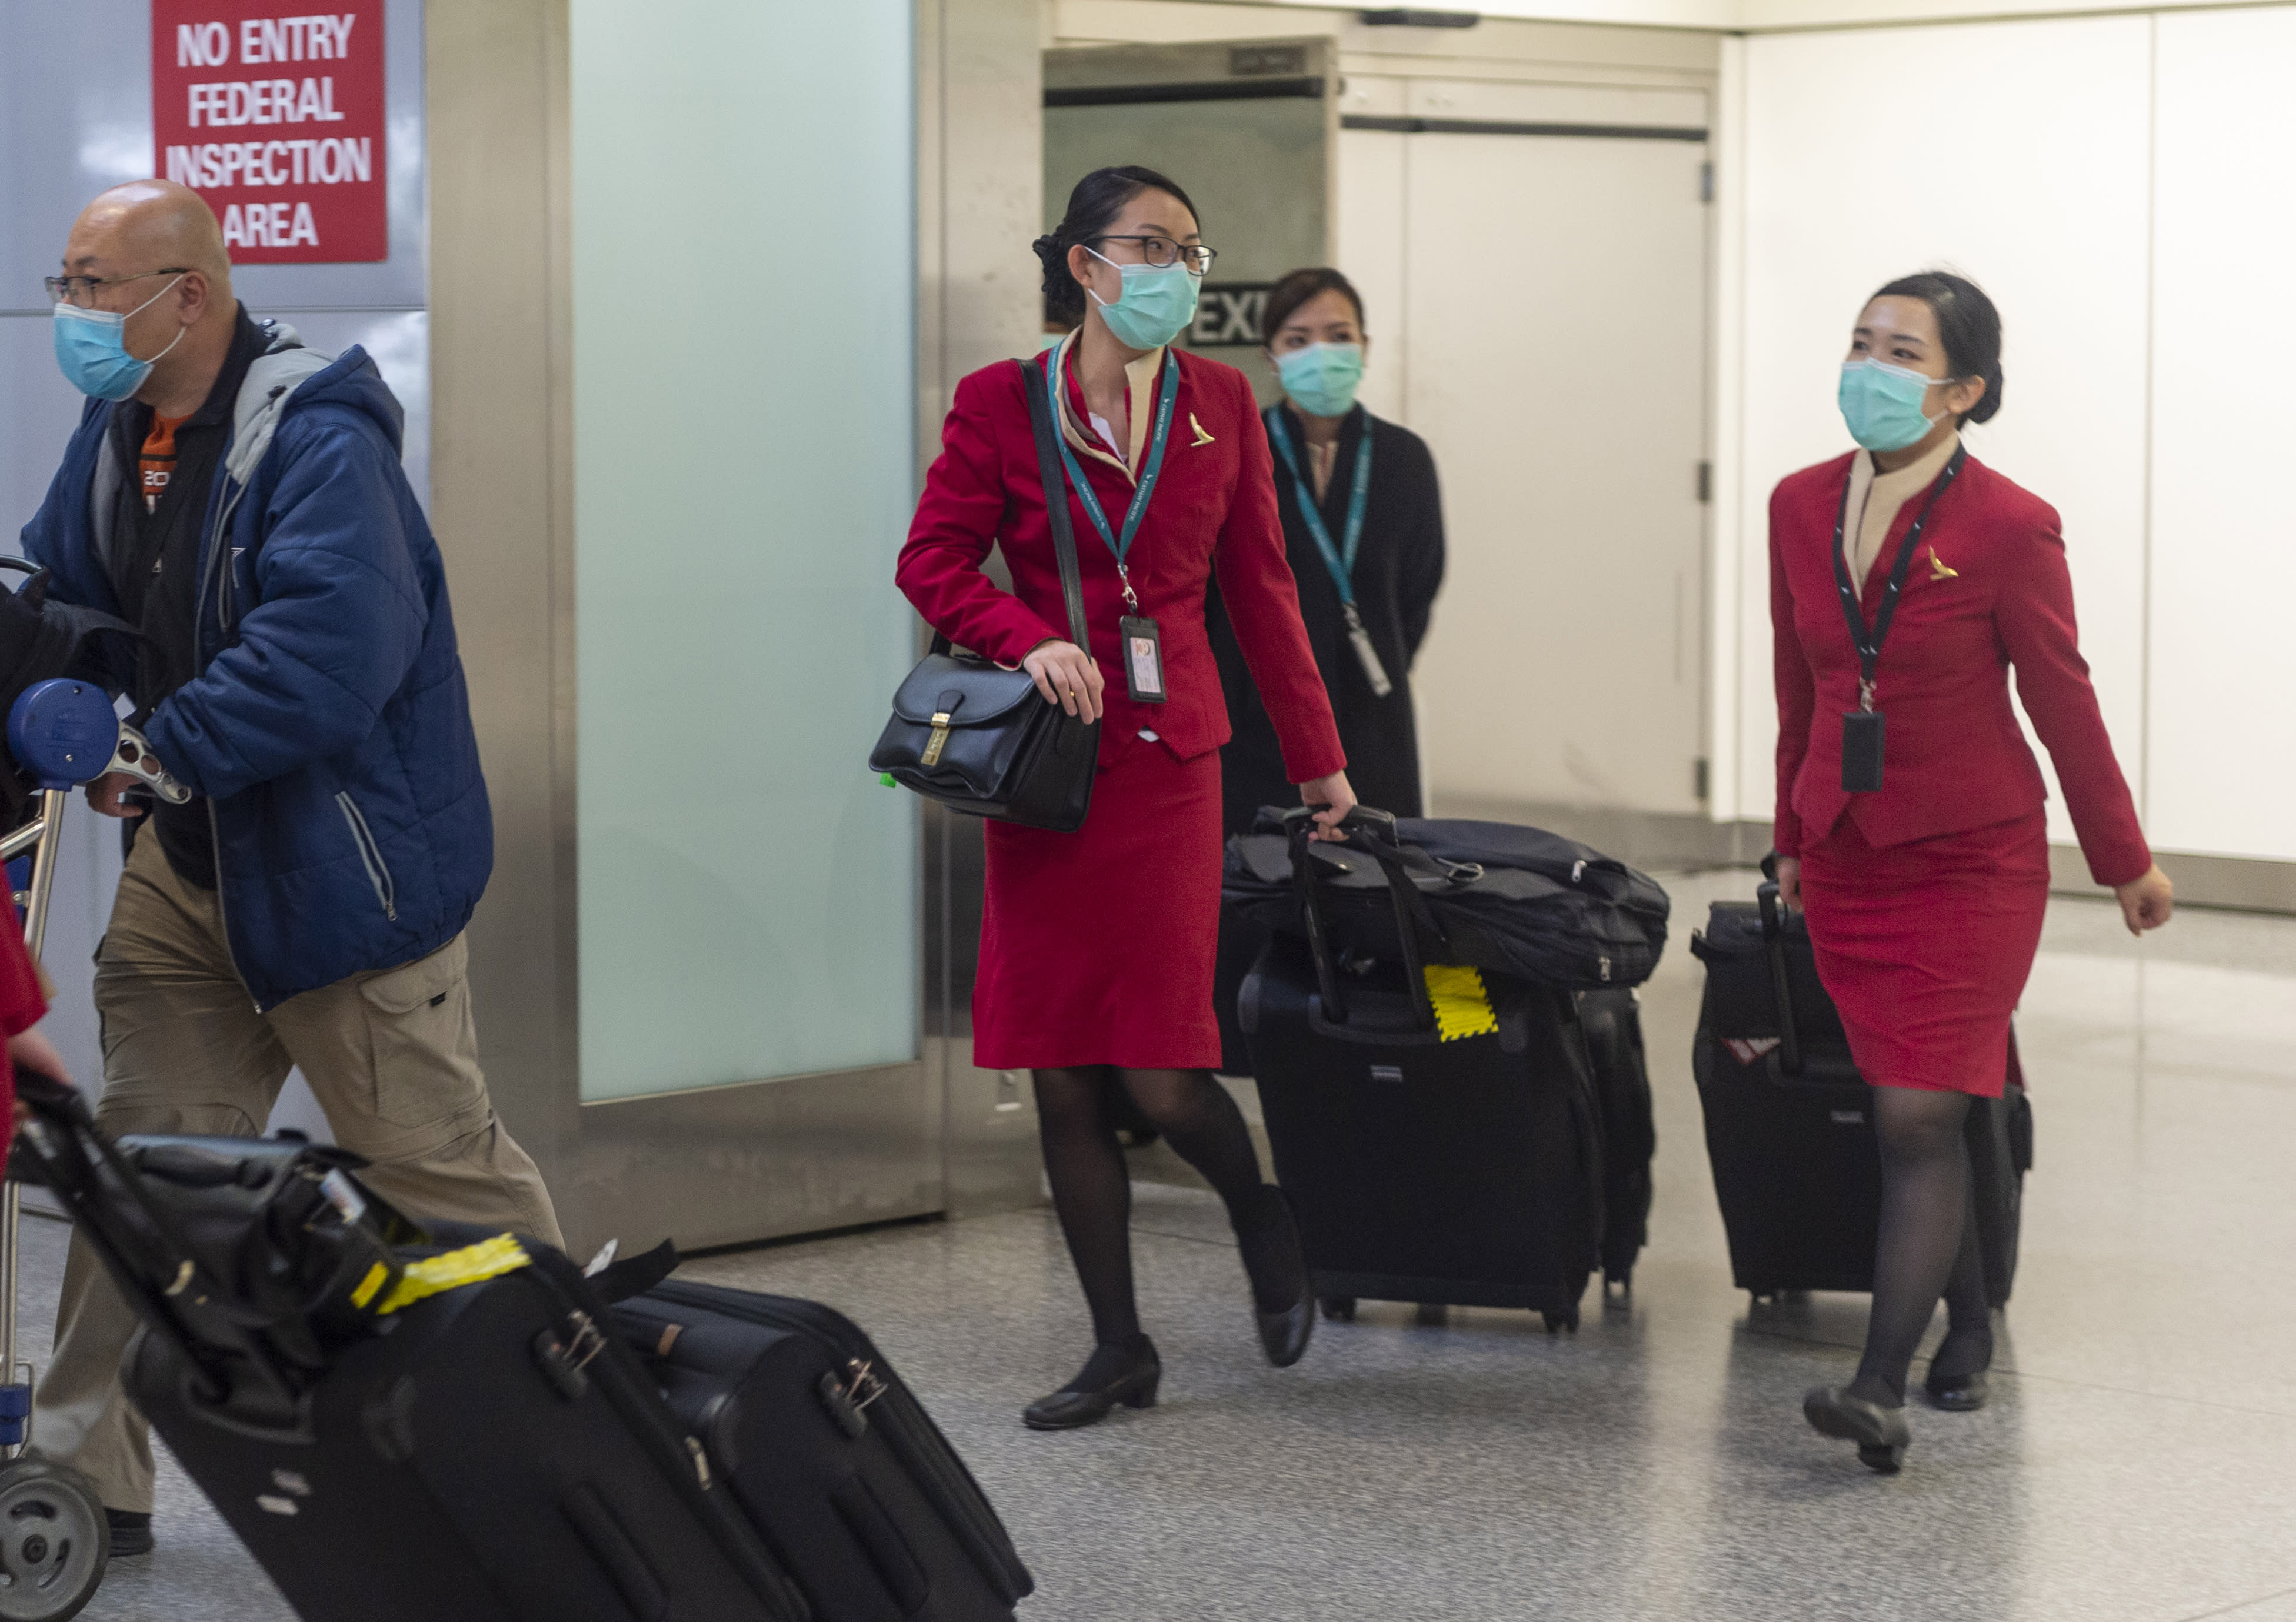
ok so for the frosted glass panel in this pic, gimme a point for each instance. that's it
(744, 207)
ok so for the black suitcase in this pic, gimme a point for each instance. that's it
(1788, 1120)
(487, 1454)
(835, 1462)
(1467, 1171)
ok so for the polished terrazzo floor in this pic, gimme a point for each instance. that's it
(2138, 1461)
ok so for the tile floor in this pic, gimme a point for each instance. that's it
(2138, 1464)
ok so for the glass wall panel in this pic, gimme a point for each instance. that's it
(744, 207)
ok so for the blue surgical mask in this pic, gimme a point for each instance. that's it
(1156, 305)
(1882, 403)
(92, 348)
(1322, 378)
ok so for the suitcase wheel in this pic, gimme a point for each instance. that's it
(1431, 1314)
(55, 1543)
(1339, 1309)
(1557, 1321)
(1623, 1279)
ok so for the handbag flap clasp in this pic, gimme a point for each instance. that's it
(945, 687)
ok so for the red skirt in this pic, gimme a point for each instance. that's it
(1926, 947)
(1096, 946)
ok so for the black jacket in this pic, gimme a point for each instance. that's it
(1397, 572)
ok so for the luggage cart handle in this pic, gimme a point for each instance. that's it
(65, 733)
(1371, 833)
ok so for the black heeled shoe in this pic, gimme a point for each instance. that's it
(1956, 1393)
(1284, 1333)
(1966, 1392)
(1880, 1433)
(1125, 1374)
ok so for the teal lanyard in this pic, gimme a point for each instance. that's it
(1121, 546)
(1340, 560)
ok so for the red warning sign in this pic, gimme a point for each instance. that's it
(278, 122)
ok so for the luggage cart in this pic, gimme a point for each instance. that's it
(53, 1540)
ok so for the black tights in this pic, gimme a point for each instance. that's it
(1928, 1245)
(1092, 1187)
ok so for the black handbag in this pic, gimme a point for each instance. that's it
(981, 739)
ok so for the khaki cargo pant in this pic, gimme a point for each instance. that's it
(392, 1057)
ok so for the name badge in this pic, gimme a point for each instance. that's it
(1144, 660)
(1862, 734)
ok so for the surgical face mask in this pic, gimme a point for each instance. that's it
(92, 348)
(1156, 305)
(1322, 378)
(1882, 403)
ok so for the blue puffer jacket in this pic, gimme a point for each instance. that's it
(330, 726)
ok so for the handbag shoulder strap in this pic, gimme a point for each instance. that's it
(1037, 382)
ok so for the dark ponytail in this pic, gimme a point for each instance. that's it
(1099, 198)
(1968, 326)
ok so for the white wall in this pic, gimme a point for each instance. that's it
(2124, 241)
(2223, 748)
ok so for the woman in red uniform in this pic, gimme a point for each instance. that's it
(1906, 580)
(1096, 946)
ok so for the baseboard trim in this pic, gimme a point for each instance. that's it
(1677, 841)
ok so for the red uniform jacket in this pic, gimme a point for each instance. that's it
(1955, 758)
(1214, 508)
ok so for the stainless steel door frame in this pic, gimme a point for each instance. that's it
(761, 1159)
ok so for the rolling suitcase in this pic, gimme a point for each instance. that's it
(1450, 1156)
(1788, 1120)
(494, 1456)
(835, 1461)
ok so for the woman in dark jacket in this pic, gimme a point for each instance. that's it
(1314, 325)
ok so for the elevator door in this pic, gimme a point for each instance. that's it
(1555, 295)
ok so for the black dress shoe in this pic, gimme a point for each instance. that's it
(1127, 1374)
(131, 1532)
(1284, 1333)
(1880, 1432)
(1956, 1393)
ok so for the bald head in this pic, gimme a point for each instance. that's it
(155, 255)
(149, 225)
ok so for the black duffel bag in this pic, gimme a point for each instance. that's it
(1491, 895)
(981, 739)
(255, 1258)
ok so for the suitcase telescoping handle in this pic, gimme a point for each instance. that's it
(1773, 944)
(1371, 833)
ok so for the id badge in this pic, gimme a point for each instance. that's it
(1366, 655)
(1144, 660)
(1861, 751)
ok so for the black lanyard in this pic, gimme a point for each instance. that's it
(1868, 644)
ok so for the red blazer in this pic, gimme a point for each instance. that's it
(1954, 758)
(1214, 508)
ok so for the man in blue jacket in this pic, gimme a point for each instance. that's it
(239, 499)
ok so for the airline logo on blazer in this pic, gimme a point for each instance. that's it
(1938, 571)
(1204, 439)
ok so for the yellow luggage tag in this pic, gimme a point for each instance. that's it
(435, 1275)
(1462, 1007)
